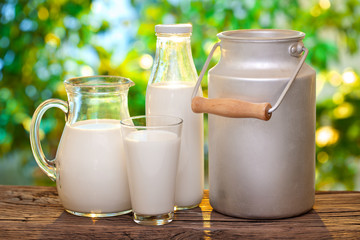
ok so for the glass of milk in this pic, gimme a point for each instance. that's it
(89, 167)
(152, 147)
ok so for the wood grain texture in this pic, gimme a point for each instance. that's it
(36, 213)
(233, 108)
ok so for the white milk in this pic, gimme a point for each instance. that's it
(91, 169)
(152, 157)
(174, 98)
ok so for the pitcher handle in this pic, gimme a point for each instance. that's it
(47, 166)
(235, 108)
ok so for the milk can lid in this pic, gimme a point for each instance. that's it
(173, 28)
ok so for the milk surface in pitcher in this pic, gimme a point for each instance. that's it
(152, 159)
(174, 99)
(91, 167)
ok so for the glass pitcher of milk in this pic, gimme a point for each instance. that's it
(169, 91)
(89, 167)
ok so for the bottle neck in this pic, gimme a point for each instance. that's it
(173, 59)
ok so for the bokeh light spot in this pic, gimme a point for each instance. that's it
(43, 13)
(7, 12)
(52, 40)
(146, 61)
(322, 157)
(9, 57)
(349, 77)
(345, 110)
(26, 123)
(326, 135)
(46, 93)
(325, 4)
(315, 11)
(86, 71)
(27, 25)
(5, 93)
(353, 131)
(4, 42)
(338, 98)
(335, 78)
(43, 73)
(60, 88)
(31, 91)
(71, 23)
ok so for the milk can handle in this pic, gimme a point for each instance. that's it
(47, 166)
(237, 108)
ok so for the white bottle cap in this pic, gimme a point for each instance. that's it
(173, 28)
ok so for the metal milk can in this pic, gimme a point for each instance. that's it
(261, 125)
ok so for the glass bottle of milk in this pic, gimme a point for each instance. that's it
(169, 91)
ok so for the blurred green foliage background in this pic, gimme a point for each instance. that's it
(42, 43)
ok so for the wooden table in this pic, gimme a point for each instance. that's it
(28, 212)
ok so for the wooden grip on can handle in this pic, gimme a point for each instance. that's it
(233, 108)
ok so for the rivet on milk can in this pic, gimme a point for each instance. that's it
(261, 124)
